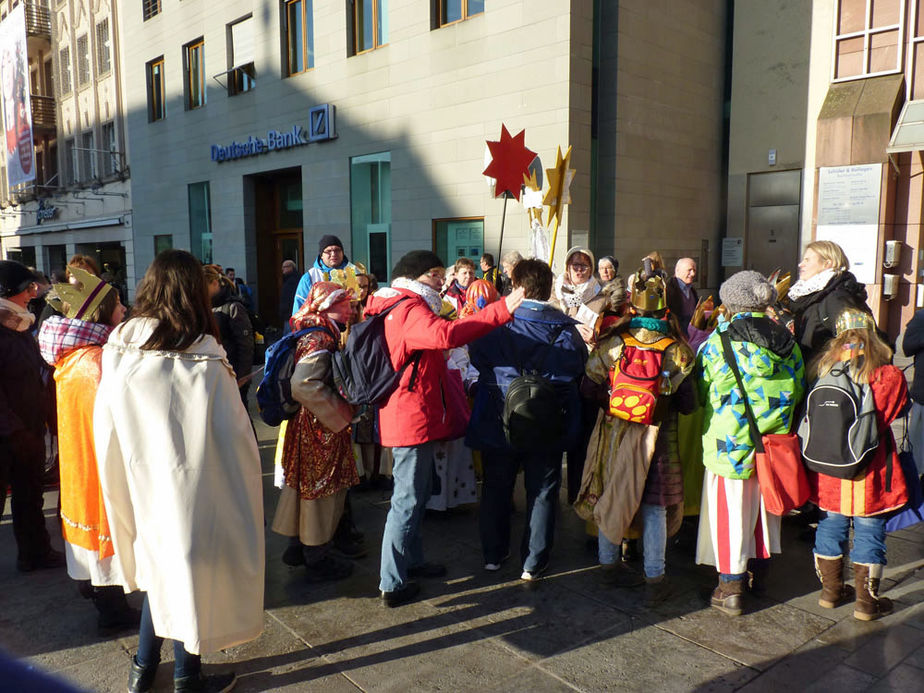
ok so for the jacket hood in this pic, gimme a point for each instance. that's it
(59, 336)
(775, 343)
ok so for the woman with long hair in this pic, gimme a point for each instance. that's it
(863, 501)
(181, 479)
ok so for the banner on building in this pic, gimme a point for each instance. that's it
(14, 91)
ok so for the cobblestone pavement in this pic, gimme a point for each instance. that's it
(475, 630)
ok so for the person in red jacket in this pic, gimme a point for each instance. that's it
(881, 487)
(415, 415)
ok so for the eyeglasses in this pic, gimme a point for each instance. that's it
(331, 251)
(580, 267)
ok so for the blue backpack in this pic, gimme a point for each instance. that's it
(274, 394)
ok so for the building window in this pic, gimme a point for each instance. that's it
(162, 243)
(150, 8)
(88, 155)
(867, 38)
(103, 47)
(157, 106)
(299, 36)
(83, 60)
(455, 238)
(70, 161)
(369, 24)
(110, 157)
(242, 75)
(370, 211)
(200, 221)
(194, 57)
(450, 11)
(64, 63)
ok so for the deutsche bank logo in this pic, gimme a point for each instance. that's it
(321, 123)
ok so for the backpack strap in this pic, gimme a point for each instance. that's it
(732, 362)
(414, 358)
(659, 345)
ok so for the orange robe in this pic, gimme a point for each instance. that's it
(83, 515)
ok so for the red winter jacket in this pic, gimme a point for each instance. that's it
(413, 417)
(867, 496)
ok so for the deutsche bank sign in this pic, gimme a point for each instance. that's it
(320, 128)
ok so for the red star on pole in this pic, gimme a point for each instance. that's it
(510, 160)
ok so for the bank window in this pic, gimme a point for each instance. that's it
(368, 24)
(157, 106)
(110, 155)
(83, 60)
(370, 211)
(149, 8)
(451, 11)
(64, 64)
(867, 38)
(88, 155)
(299, 36)
(70, 161)
(162, 243)
(103, 47)
(200, 221)
(242, 75)
(194, 64)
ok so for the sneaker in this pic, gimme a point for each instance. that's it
(533, 575)
(621, 575)
(492, 567)
(400, 596)
(141, 679)
(727, 597)
(427, 570)
(198, 683)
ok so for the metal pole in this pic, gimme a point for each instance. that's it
(500, 244)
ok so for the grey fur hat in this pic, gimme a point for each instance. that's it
(747, 291)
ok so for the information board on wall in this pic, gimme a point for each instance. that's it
(848, 214)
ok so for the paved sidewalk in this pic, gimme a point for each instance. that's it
(480, 631)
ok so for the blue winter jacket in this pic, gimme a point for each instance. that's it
(319, 272)
(523, 343)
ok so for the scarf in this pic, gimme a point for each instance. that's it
(428, 294)
(14, 316)
(652, 324)
(60, 336)
(804, 287)
(578, 295)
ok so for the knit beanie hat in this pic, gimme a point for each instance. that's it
(15, 278)
(415, 263)
(327, 241)
(747, 291)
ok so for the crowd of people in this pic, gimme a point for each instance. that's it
(657, 412)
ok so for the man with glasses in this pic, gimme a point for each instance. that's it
(330, 257)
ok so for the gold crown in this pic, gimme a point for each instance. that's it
(648, 295)
(852, 319)
(82, 298)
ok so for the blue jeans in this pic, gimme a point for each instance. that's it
(402, 543)
(185, 664)
(831, 538)
(542, 479)
(654, 541)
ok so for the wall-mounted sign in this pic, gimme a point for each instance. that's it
(321, 127)
(732, 252)
(45, 212)
(849, 194)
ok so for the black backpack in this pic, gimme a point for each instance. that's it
(533, 417)
(362, 369)
(839, 432)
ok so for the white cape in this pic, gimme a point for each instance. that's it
(181, 480)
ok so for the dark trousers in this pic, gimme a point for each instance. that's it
(578, 453)
(24, 478)
(149, 645)
(542, 478)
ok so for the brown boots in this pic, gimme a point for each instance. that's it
(830, 570)
(870, 605)
(728, 596)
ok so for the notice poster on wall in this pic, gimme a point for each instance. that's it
(14, 92)
(859, 242)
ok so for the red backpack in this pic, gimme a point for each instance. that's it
(635, 379)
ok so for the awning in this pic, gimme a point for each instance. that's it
(908, 135)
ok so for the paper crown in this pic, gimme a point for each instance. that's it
(853, 320)
(648, 295)
(80, 299)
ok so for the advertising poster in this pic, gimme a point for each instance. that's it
(14, 91)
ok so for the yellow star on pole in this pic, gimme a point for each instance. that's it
(530, 180)
(560, 177)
